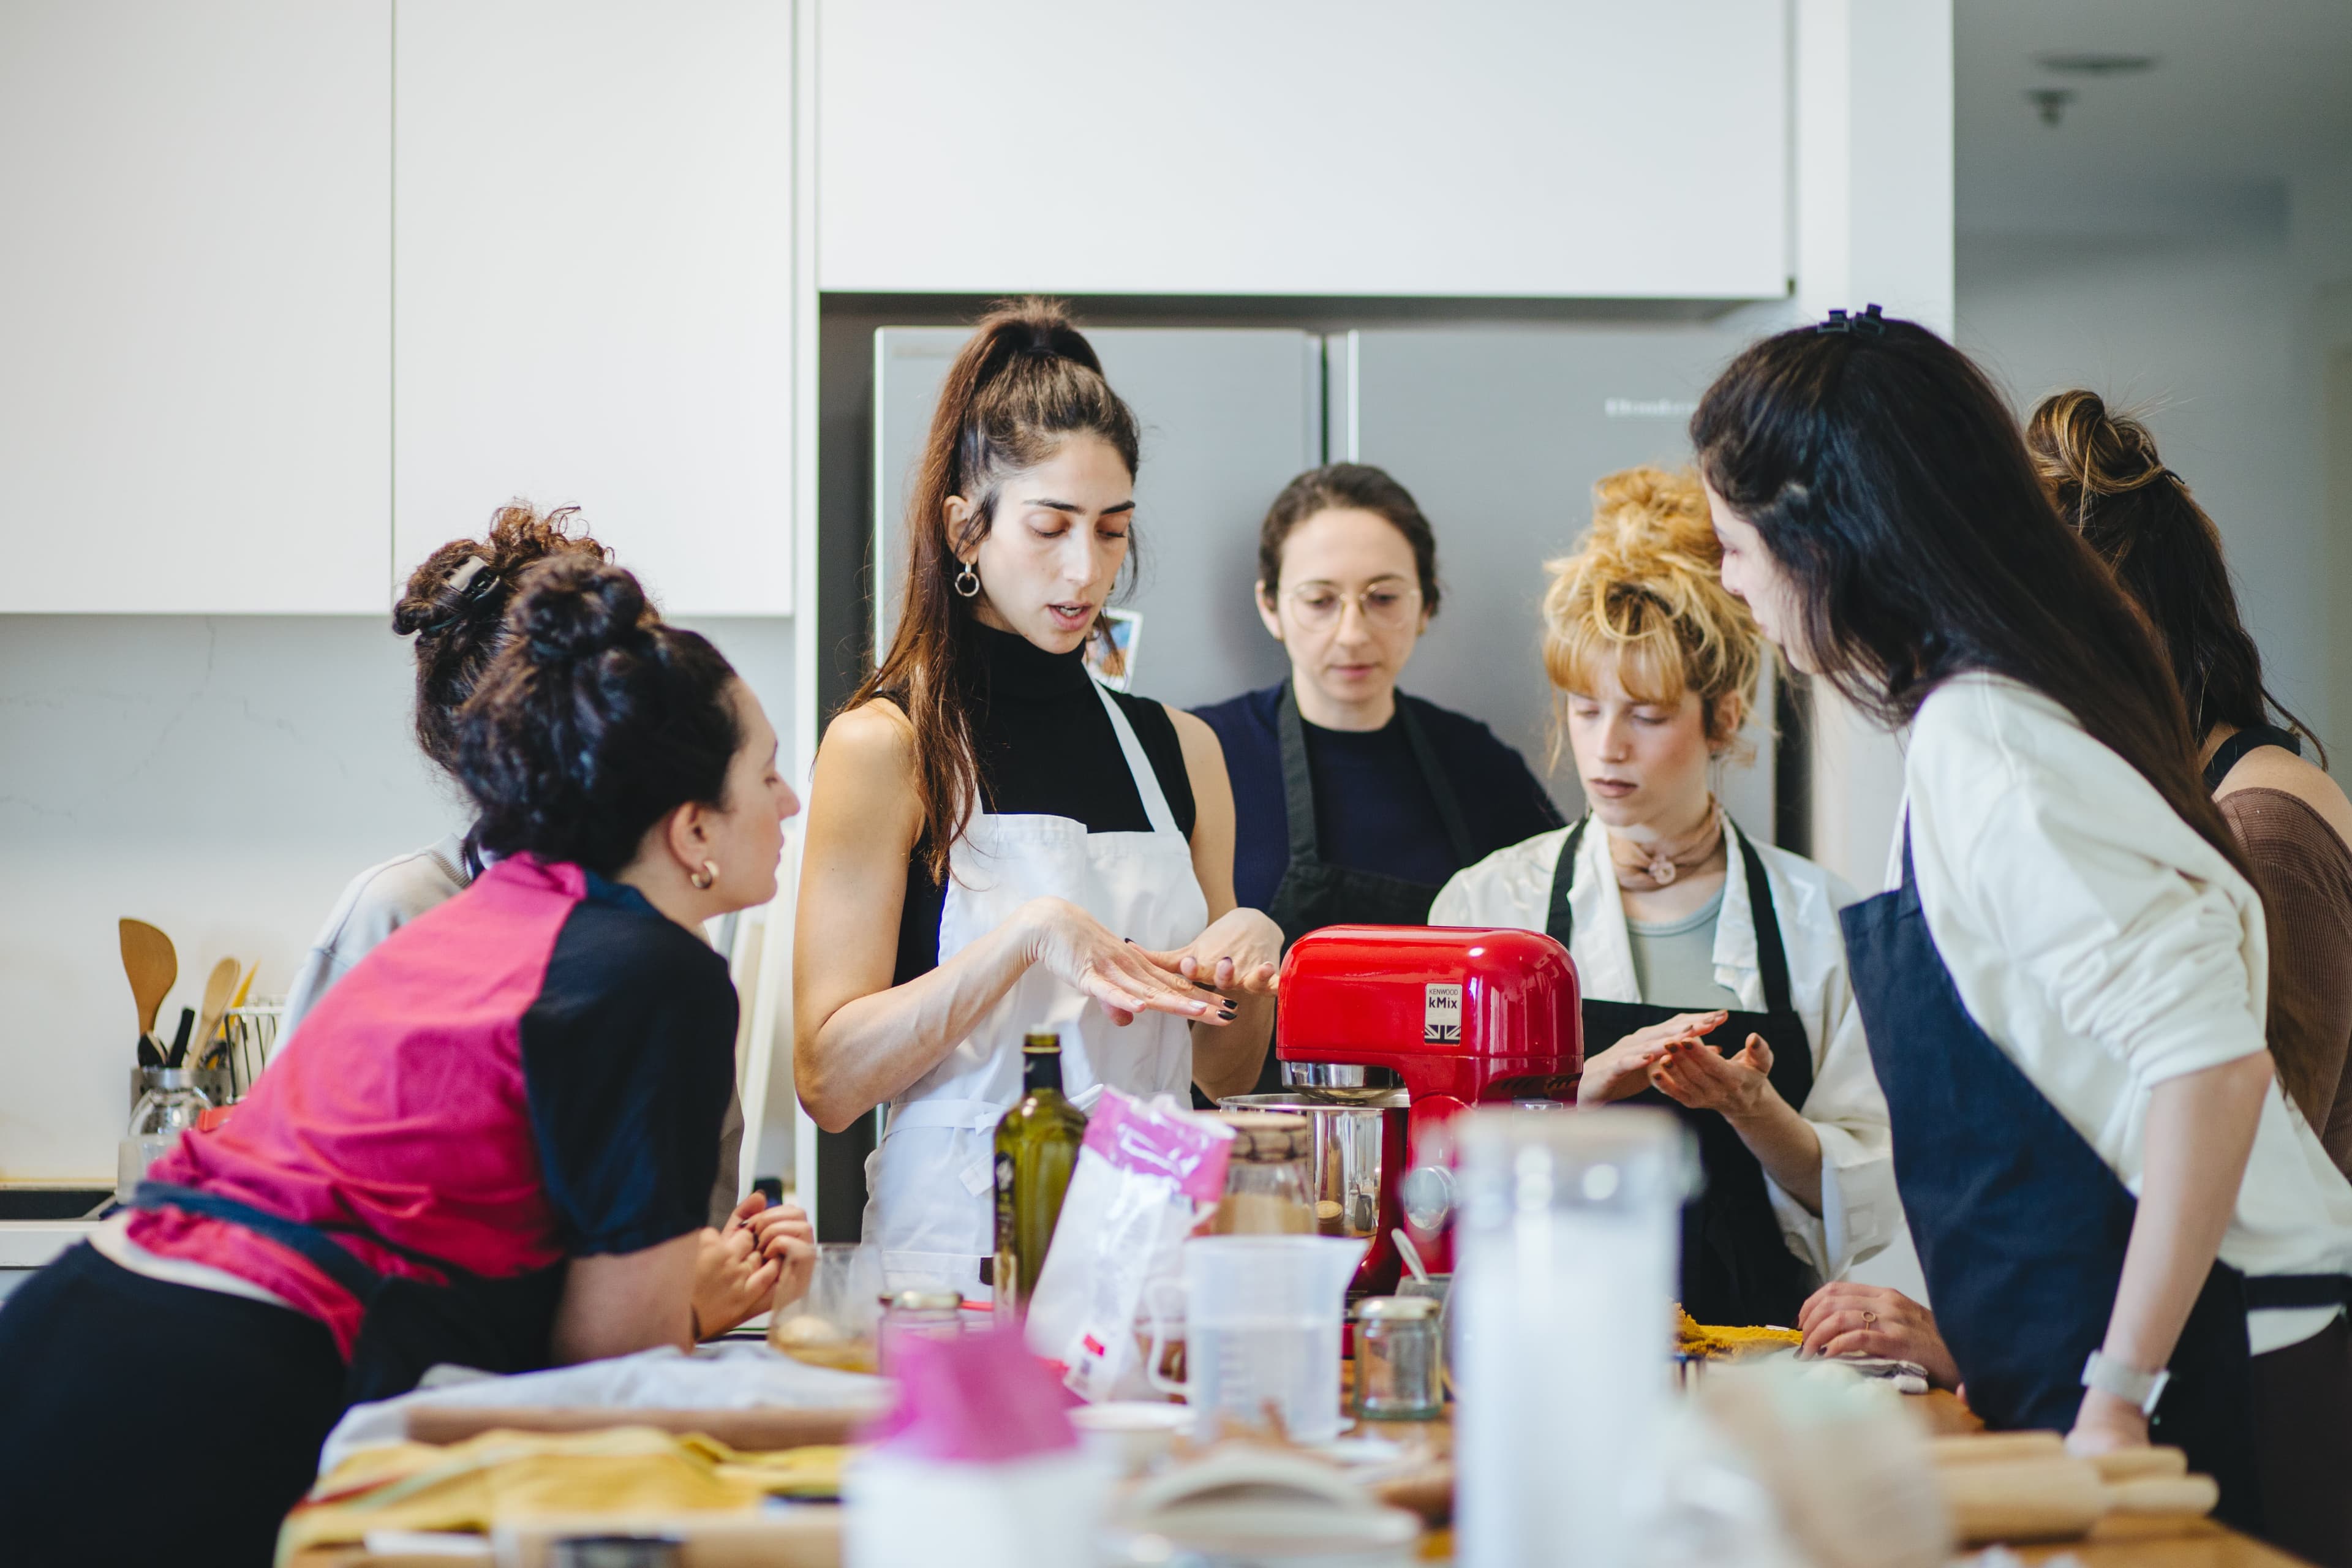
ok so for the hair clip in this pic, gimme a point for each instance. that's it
(1870, 322)
(472, 582)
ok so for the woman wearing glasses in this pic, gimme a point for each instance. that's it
(1354, 803)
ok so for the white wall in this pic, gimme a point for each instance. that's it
(222, 777)
(2198, 332)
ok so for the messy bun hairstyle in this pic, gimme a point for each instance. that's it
(2105, 479)
(1026, 382)
(1644, 592)
(594, 722)
(456, 606)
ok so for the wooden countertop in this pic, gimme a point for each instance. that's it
(2117, 1543)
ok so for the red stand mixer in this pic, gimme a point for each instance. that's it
(1417, 1022)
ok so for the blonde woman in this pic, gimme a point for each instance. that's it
(1713, 968)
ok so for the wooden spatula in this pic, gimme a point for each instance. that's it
(152, 966)
(218, 987)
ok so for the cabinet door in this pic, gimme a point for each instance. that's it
(195, 305)
(1309, 147)
(593, 282)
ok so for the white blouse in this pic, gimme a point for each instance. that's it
(1860, 1211)
(2106, 947)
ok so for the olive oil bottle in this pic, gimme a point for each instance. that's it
(1036, 1148)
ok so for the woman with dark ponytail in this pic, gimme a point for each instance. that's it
(2117, 1213)
(2293, 822)
(996, 841)
(491, 1142)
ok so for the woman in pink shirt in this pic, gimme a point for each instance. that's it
(492, 1143)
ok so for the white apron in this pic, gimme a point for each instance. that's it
(932, 1206)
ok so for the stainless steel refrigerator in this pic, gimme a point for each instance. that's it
(1500, 433)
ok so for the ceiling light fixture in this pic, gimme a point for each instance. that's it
(2050, 102)
(2095, 63)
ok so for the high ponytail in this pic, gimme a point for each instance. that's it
(1027, 382)
(2103, 473)
(594, 721)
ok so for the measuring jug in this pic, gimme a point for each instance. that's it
(1262, 1317)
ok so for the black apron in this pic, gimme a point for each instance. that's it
(2238, 744)
(1736, 1268)
(493, 1325)
(2021, 1227)
(1313, 893)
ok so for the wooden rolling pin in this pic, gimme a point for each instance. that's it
(761, 1430)
(2024, 1486)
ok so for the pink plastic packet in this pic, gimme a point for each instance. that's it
(976, 1399)
(1145, 1174)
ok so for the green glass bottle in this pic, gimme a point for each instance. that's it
(1036, 1148)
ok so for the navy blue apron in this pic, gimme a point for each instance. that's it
(498, 1325)
(1736, 1265)
(1313, 893)
(2021, 1227)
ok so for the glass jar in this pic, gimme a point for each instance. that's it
(920, 1315)
(1398, 1358)
(168, 1104)
(1268, 1189)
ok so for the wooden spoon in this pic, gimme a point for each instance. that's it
(218, 987)
(152, 966)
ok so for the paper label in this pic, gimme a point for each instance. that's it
(1440, 1014)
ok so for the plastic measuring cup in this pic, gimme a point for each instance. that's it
(1261, 1316)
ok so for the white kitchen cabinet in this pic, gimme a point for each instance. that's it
(1535, 148)
(195, 305)
(593, 282)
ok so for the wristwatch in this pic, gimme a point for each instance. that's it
(2125, 1381)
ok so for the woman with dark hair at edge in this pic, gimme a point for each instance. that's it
(2102, 472)
(455, 611)
(996, 840)
(1353, 802)
(2117, 1213)
(334, 1239)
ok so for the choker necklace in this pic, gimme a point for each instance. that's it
(1642, 868)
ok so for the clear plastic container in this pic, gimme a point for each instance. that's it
(836, 1323)
(1268, 1189)
(168, 1104)
(1565, 1240)
(920, 1315)
(1262, 1318)
(1398, 1362)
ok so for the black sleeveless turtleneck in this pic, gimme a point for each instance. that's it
(1048, 749)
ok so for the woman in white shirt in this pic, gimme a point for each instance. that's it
(1683, 927)
(2065, 993)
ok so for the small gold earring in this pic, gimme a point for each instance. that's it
(704, 878)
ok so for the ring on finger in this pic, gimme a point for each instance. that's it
(1869, 1320)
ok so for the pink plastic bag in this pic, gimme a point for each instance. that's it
(1145, 1174)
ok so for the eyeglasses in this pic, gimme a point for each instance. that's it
(1385, 607)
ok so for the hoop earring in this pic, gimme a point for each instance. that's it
(967, 583)
(704, 878)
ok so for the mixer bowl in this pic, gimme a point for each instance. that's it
(1357, 1152)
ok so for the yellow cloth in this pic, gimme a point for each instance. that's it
(500, 1477)
(1718, 1342)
